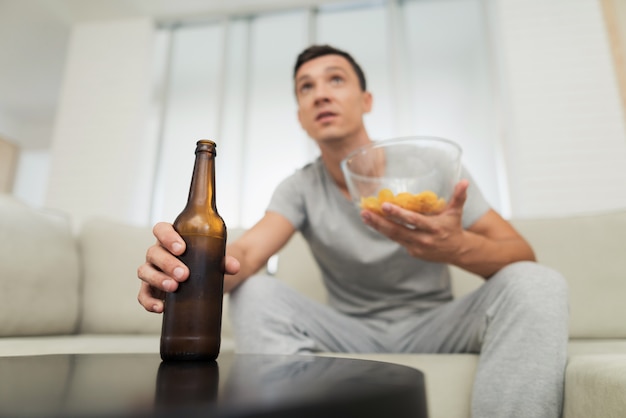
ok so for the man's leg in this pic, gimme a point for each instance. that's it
(518, 321)
(270, 317)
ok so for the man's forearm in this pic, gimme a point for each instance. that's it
(485, 256)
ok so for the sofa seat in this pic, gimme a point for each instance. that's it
(149, 343)
(78, 344)
(578, 347)
(85, 344)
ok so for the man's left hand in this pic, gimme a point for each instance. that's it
(436, 238)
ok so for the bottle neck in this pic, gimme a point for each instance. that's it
(202, 190)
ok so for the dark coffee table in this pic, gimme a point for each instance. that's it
(140, 385)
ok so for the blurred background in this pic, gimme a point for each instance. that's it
(102, 101)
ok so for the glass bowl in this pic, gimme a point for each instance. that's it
(418, 173)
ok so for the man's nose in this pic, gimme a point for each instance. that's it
(322, 94)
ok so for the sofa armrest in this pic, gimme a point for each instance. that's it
(39, 271)
(595, 386)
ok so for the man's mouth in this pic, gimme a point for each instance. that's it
(325, 116)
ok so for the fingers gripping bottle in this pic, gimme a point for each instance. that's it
(192, 316)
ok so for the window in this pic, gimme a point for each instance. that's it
(231, 81)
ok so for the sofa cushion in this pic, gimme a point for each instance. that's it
(111, 252)
(589, 252)
(297, 267)
(39, 271)
(585, 249)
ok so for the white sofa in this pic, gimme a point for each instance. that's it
(63, 292)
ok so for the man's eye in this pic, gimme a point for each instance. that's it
(336, 80)
(304, 88)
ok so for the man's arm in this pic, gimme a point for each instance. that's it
(488, 245)
(162, 271)
(256, 246)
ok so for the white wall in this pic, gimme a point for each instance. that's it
(565, 137)
(101, 161)
(31, 177)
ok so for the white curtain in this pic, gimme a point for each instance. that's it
(426, 63)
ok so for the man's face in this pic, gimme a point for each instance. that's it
(331, 103)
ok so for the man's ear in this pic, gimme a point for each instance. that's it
(367, 102)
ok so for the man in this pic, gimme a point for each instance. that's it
(388, 284)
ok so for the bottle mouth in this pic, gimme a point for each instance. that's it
(206, 145)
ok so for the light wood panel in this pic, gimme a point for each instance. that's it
(615, 16)
(8, 162)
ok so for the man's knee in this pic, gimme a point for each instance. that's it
(533, 284)
(262, 311)
(256, 287)
(261, 296)
(532, 276)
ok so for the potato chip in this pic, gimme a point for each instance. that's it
(371, 203)
(426, 202)
(385, 195)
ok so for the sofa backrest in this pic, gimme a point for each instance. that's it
(51, 283)
(39, 271)
(111, 252)
(297, 267)
(589, 251)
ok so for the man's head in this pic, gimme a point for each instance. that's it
(331, 95)
(316, 51)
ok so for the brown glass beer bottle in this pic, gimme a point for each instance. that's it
(192, 316)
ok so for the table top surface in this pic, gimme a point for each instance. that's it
(233, 386)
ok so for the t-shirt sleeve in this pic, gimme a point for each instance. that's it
(288, 200)
(475, 205)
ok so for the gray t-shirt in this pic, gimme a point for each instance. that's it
(366, 274)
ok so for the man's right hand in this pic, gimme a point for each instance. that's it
(162, 271)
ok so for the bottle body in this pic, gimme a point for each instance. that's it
(192, 316)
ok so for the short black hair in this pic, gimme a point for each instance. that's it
(316, 51)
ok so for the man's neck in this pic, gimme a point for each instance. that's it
(333, 152)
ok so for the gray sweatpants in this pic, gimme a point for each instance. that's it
(517, 321)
